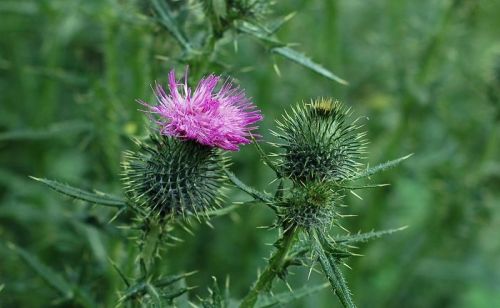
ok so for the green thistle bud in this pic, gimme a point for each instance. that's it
(171, 177)
(318, 143)
(310, 205)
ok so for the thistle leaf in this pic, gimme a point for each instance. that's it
(97, 198)
(166, 19)
(380, 167)
(171, 279)
(333, 273)
(305, 61)
(266, 301)
(276, 46)
(364, 237)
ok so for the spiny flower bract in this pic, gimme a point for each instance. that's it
(222, 117)
(310, 205)
(318, 143)
(171, 177)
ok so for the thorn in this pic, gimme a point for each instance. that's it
(355, 194)
(345, 264)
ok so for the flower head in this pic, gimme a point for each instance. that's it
(169, 177)
(222, 117)
(318, 142)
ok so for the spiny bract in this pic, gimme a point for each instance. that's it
(310, 205)
(318, 143)
(173, 177)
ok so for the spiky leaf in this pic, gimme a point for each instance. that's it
(305, 61)
(97, 197)
(380, 167)
(364, 237)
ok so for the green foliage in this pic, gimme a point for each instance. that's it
(424, 72)
(92, 197)
(171, 177)
(284, 298)
(57, 129)
(67, 291)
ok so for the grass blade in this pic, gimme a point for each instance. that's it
(55, 280)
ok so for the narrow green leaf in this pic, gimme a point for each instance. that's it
(303, 60)
(55, 280)
(249, 190)
(175, 294)
(97, 198)
(2, 286)
(168, 280)
(276, 25)
(120, 273)
(280, 299)
(260, 34)
(380, 167)
(364, 237)
(166, 19)
(54, 130)
(137, 289)
(280, 48)
(333, 273)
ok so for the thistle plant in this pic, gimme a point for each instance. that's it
(179, 173)
(182, 170)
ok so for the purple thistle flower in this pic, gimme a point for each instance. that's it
(217, 118)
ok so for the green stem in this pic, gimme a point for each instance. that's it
(332, 271)
(149, 248)
(257, 195)
(274, 267)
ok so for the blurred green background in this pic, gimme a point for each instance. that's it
(425, 73)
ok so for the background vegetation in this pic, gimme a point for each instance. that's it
(426, 73)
